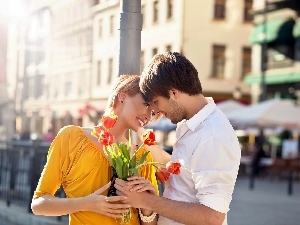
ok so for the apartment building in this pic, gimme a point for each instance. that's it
(214, 35)
(4, 99)
(76, 53)
(275, 44)
(70, 62)
(216, 39)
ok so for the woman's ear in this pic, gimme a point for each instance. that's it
(121, 97)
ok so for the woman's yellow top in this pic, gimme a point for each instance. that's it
(75, 162)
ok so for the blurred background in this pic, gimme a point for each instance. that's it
(58, 59)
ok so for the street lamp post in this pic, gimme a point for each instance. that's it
(262, 97)
(130, 36)
(264, 59)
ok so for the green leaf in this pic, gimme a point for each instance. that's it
(119, 167)
(142, 159)
(132, 163)
(125, 170)
(134, 171)
(114, 162)
(126, 151)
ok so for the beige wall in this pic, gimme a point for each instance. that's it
(201, 32)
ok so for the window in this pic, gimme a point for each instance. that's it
(168, 48)
(246, 61)
(110, 70)
(154, 51)
(142, 61)
(68, 88)
(247, 10)
(280, 55)
(98, 81)
(111, 25)
(169, 9)
(100, 27)
(218, 61)
(155, 11)
(95, 2)
(219, 9)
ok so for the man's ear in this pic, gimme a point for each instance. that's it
(174, 93)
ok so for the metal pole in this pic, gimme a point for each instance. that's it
(262, 97)
(131, 22)
(264, 59)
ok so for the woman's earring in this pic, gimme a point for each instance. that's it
(122, 101)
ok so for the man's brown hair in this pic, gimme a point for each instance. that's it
(167, 71)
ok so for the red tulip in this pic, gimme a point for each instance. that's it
(149, 138)
(97, 130)
(109, 121)
(162, 175)
(173, 167)
(106, 138)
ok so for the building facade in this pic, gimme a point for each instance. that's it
(217, 42)
(275, 45)
(74, 55)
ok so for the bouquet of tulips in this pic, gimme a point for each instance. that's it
(124, 165)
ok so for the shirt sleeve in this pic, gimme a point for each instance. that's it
(215, 166)
(52, 174)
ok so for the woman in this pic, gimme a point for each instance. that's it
(77, 162)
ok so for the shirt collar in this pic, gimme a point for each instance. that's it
(200, 116)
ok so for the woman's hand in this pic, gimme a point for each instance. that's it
(139, 184)
(134, 189)
(108, 206)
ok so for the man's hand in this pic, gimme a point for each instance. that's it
(134, 189)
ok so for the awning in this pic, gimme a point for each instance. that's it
(296, 30)
(273, 78)
(280, 29)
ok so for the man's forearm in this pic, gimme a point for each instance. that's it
(184, 212)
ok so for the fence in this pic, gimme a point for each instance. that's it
(21, 163)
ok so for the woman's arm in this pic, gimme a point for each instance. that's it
(49, 205)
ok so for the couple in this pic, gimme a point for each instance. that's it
(206, 147)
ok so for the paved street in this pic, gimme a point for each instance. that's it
(3, 222)
(267, 204)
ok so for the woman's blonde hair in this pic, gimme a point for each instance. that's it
(127, 84)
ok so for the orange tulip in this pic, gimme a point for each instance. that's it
(173, 167)
(97, 130)
(106, 138)
(109, 121)
(162, 175)
(149, 138)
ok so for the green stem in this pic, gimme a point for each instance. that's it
(150, 163)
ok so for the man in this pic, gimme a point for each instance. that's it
(206, 147)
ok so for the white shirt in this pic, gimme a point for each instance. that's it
(209, 152)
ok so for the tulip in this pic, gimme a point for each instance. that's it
(162, 175)
(106, 138)
(97, 130)
(173, 167)
(109, 121)
(149, 138)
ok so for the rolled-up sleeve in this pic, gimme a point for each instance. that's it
(214, 168)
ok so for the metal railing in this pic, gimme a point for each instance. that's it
(21, 164)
